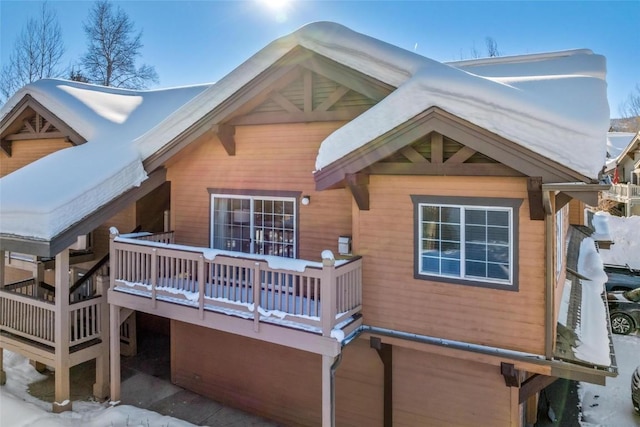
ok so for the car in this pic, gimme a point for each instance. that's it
(635, 389)
(621, 278)
(624, 310)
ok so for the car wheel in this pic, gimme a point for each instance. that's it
(621, 323)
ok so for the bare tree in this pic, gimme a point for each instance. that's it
(492, 47)
(36, 53)
(113, 49)
(631, 106)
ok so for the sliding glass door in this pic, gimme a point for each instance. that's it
(254, 224)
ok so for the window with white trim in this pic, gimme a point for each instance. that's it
(254, 224)
(466, 243)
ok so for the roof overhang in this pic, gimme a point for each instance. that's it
(49, 248)
(564, 191)
(435, 119)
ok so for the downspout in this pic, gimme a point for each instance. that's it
(332, 372)
(549, 295)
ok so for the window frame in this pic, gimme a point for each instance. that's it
(510, 204)
(252, 195)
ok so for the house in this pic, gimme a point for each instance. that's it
(360, 235)
(623, 166)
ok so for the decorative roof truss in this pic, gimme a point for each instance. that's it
(307, 97)
(435, 154)
(30, 120)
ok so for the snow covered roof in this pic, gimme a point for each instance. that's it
(47, 196)
(617, 142)
(552, 104)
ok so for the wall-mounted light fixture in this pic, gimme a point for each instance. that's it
(305, 200)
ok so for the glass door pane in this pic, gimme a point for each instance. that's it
(231, 224)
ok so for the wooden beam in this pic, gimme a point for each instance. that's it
(511, 374)
(5, 146)
(307, 79)
(534, 188)
(334, 97)
(385, 352)
(359, 186)
(411, 154)
(274, 117)
(25, 136)
(533, 385)
(289, 106)
(466, 169)
(225, 134)
(437, 149)
(561, 200)
(462, 155)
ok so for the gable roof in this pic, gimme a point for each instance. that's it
(47, 196)
(552, 104)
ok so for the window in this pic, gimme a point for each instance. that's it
(466, 240)
(254, 224)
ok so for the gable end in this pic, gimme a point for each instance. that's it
(31, 120)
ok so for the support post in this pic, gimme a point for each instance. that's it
(3, 255)
(114, 350)
(328, 392)
(101, 386)
(62, 399)
(328, 293)
(385, 352)
(3, 374)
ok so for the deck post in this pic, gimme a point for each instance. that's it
(328, 292)
(3, 374)
(62, 398)
(3, 254)
(114, 344)
(101, 386)
(328, 392)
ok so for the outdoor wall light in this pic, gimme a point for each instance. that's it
(305, 200)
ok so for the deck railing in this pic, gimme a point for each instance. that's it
(25, 314)
(265, 288)
(624, 191)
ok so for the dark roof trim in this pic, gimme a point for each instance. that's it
(18, 112)
(281, 73)
(438, 120)
(66, 238)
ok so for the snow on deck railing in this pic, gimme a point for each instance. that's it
(316, 295)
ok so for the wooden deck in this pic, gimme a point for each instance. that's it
(220, 289)
(28, 319)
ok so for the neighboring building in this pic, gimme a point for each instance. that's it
(623, 168)
(361, 235)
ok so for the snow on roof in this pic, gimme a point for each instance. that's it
(51, 194)
(617, 142)
(554, 104)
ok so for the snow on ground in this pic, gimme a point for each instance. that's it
(19, 409)
(610, 405)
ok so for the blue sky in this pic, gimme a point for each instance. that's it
(200, 41)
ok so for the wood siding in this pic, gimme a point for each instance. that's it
(273, 381)
(266, 379)
(432, 390)
(28, 151)
(284, 385)
(393, 299)
(269, 157)
(124, 221)
(576, 212)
